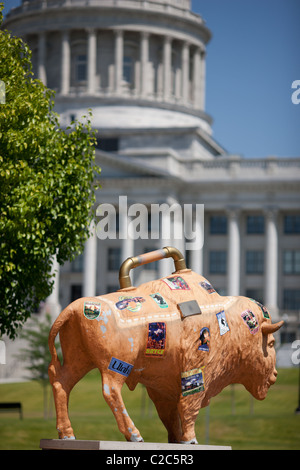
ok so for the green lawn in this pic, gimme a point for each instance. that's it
(234, 418)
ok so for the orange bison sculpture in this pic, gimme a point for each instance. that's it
(177, 336)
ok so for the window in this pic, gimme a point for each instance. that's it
(291, 299)
(291, 262)
(221, 291)
(128, 69)
(291, 224)
(112, 288)
(81, 67)
(218, 225)
(255, 294)
(150, 224)
(76, 292)
(217, 262)
(131, 56)
(109, 144)
(188, 256)
(287, 336)
(254, 262)
(114, 259)
(77, 264)
(255, 224)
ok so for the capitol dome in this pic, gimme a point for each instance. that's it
(137, 64)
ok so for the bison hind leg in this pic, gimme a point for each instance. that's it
(61, 390)
(62, 384)
(111, 388)
(168, 413)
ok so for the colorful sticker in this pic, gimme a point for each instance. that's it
(121, 367)
(223, 325)
(207, 286)
(159, 300)
(176, 283)
(204, 339)
(156, 340)
(263, 309)
(134, 304)
(192, 382)
(91, 310)
(251, 321)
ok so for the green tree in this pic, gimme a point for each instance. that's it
(37, 354)
(47, 186)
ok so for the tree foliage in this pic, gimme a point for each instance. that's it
(46, 186)
(36, 353)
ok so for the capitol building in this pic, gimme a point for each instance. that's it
(139, 65)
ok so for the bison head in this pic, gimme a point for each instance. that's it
(263, 373)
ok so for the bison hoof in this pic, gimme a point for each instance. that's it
(135, 438)
(192, 441)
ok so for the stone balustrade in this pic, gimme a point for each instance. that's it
(171, 7)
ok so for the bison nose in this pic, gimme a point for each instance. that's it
(273, 377)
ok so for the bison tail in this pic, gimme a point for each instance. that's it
(55, 365)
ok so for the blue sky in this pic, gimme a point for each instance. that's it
(252, 60)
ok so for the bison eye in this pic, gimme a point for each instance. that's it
(271, 343)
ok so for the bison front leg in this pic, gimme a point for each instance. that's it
(188, 411)
(111, 388)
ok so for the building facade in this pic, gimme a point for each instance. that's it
(140, 67)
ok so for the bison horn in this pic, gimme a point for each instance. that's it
(269, 328)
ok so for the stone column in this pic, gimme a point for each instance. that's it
(185, 54)
(144, 51)
(90, 264)
(92, 58)
(197, 78)
(127, 248)
(202, 81)
(52, 302)
(233, 261)
(42, 58)
(178, 239)
(167, 58)
(65, 63)
(171, 232)
(271, 262)
(196, 252)
(127, 244)
(119, 52)
(166, 266)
